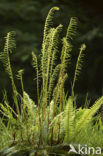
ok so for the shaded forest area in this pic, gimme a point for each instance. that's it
(27, 19)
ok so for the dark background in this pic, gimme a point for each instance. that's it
(27, 18)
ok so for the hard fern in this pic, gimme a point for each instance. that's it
(79, 65)
(88, 114)
(49, 23)
(35, 65)
(69, 121)
(5, 58)
(75, 121)
(66, 55)
(47, 123)
(67, 43)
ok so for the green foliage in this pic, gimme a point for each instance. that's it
(69, 120)
(77, 120)
(36, 126)
(27, 19)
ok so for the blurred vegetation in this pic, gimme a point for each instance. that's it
(27, 19)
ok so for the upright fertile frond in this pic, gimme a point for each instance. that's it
(49, 47)
(45, 60)
(35, 65)
(49, 21)
(69, 121)
(4, 56)
(50, 51)
(53, 79)
(65, 55)
(88, 114)
(66, 50)
(47, 67)
(67, 45)
(79, 65)
(72, 29)
(63, 79)
(55, 44)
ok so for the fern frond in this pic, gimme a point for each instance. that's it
(35, 66)
(4, 56)
(67, 45)
(45, 60)
(65, 55)
(55, 45)
(69, 116)
(53, 79)
(78, 65)
(61, 91)
(49, 22)
(47, 64)
(66, 52)
(72, 29)
(88, 114)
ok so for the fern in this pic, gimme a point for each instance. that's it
(35, 65)
(51, 121)
(76, 121)
(5, 58)
(78, 65)
(53, 79)
(69, 121)
(67, 45)
(49, 22)
(88, 114)
(72, 29)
